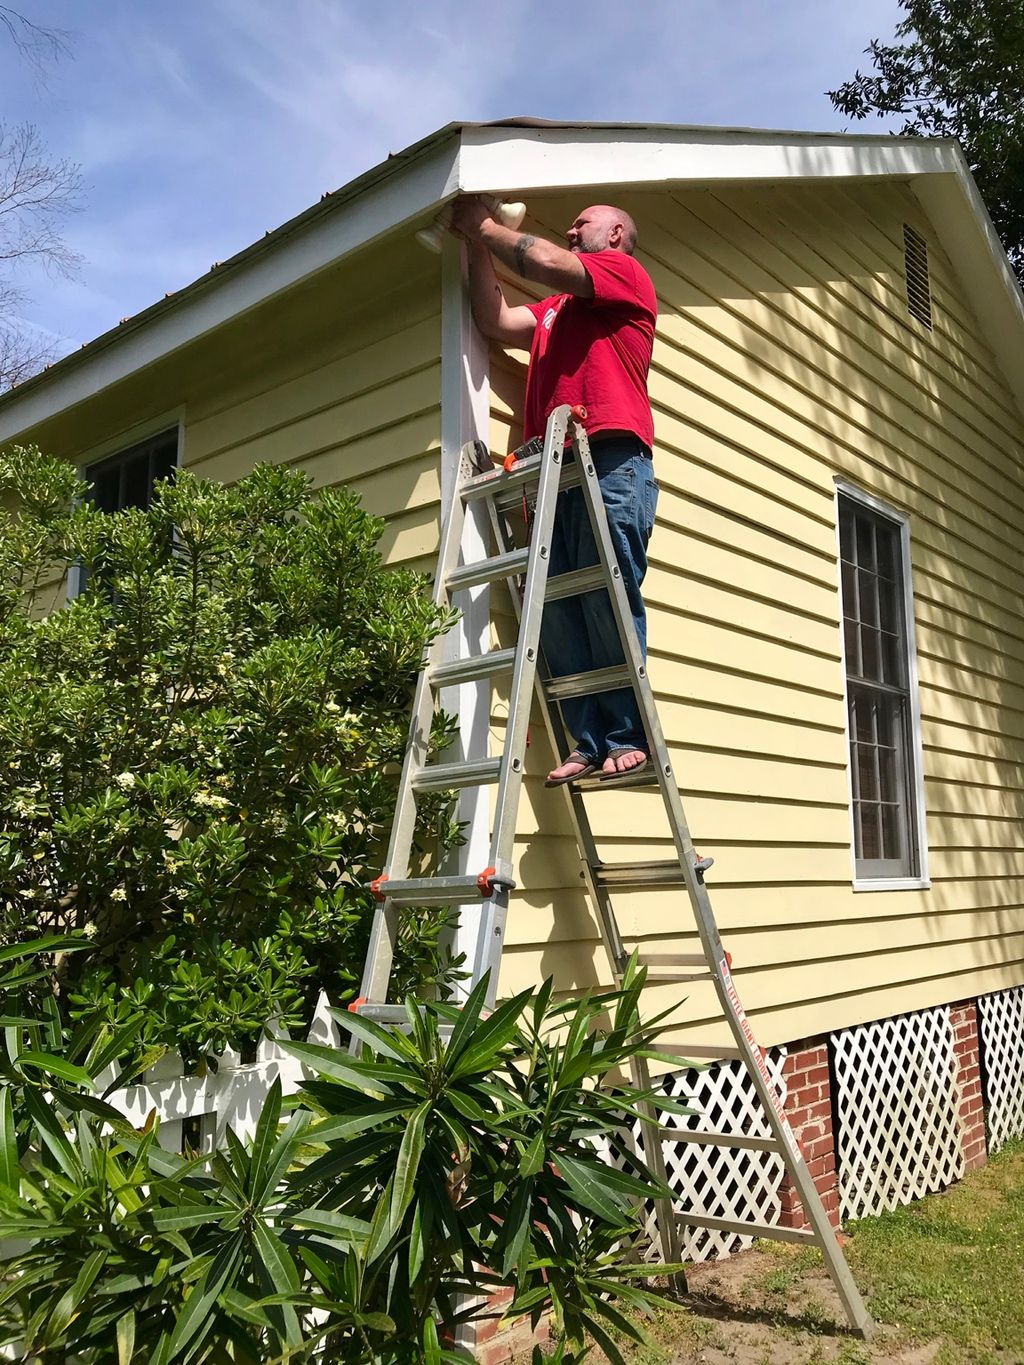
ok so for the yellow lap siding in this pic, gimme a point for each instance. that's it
(785, 357)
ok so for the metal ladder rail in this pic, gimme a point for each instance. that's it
(716, 959)
(394, 887)
(668, 1231)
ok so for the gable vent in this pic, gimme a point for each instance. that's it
(915, 259)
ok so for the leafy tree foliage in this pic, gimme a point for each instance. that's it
(198, 751)
(957, 70)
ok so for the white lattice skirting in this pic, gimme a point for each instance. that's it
(898, 1134)
(724, 1182)
(1001, 1026)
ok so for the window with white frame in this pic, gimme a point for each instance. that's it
(128, 478)
(881, 690)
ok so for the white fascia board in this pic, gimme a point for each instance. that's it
(960, 219)
(503, 159)
(375, 210)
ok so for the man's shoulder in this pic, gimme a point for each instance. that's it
(619, 277)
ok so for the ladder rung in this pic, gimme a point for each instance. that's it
(586, 684)
(438, 777)
(509, 495)
(696, 1135)
(473, 668)
(381, 1014)
(660, 873)
(664, 968)
(654, 959)
(658, 977)
(745, 1229)
(646, 777)
(508, 565)
(574, 583)
(453, 890)
(700, 1052)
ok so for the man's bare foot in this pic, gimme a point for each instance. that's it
(621, 761)
(576, 765)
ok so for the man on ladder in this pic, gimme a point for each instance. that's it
(590, 344)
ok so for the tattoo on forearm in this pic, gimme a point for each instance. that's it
(519, 251)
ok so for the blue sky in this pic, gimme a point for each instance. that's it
(202, 123)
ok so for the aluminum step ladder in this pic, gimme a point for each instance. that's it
(502, 490)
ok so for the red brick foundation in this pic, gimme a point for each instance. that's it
(492, 1346)
(963, 1019)
(809, 1110)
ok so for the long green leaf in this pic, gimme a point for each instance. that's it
(344, 1126)
(339, 1225)
(329, 1061)
(57, 1066)
(589, 1189)
(10, 1171)
(70, 1302)
(125, 1338)
(264, 1138)
(380, 1041)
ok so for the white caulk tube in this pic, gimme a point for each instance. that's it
(508, 215)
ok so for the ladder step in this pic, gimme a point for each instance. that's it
(745, 1229)
(473, 668)
(508, 565)
(586, 684)
(439, 777)
(454, 890)
(662, 968)
(700, 1052)
(707, 1139)
(657, 977)
(646, 777)
(656, 873)
(574, 583)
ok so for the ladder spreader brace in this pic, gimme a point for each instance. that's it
(501, 490)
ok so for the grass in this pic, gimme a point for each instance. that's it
(952, 1266)
(944, 1279)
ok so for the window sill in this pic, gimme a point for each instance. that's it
(892, 884)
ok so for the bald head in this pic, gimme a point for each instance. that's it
(602, 228)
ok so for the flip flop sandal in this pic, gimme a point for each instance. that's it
(627, 772)
(574, 757)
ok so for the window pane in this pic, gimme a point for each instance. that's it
(865, 543)
(862, 717)
(852, 636)
(136, 482)
(892, 660)
(849, 576)
(890, 830)
(888, 606)
(870, 832)
(867, 775)
(888, 553)
(870, 661)
(106, 490)
(868, 587)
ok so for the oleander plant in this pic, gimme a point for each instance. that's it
(199, 745)
(367, 1218)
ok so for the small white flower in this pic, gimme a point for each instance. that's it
(125, 781)
(89, 931)
(119, 894)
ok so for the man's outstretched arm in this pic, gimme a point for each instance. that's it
(530, 257)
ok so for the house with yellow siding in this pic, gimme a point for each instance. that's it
(835, 621)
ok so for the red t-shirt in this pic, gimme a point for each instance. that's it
(595, 351)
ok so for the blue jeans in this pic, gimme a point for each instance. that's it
(579, 633)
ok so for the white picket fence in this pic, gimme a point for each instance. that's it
(203, 1106)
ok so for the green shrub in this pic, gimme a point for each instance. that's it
(198, 751)
(350, 1234)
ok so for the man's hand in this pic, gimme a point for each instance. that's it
(468, 215)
